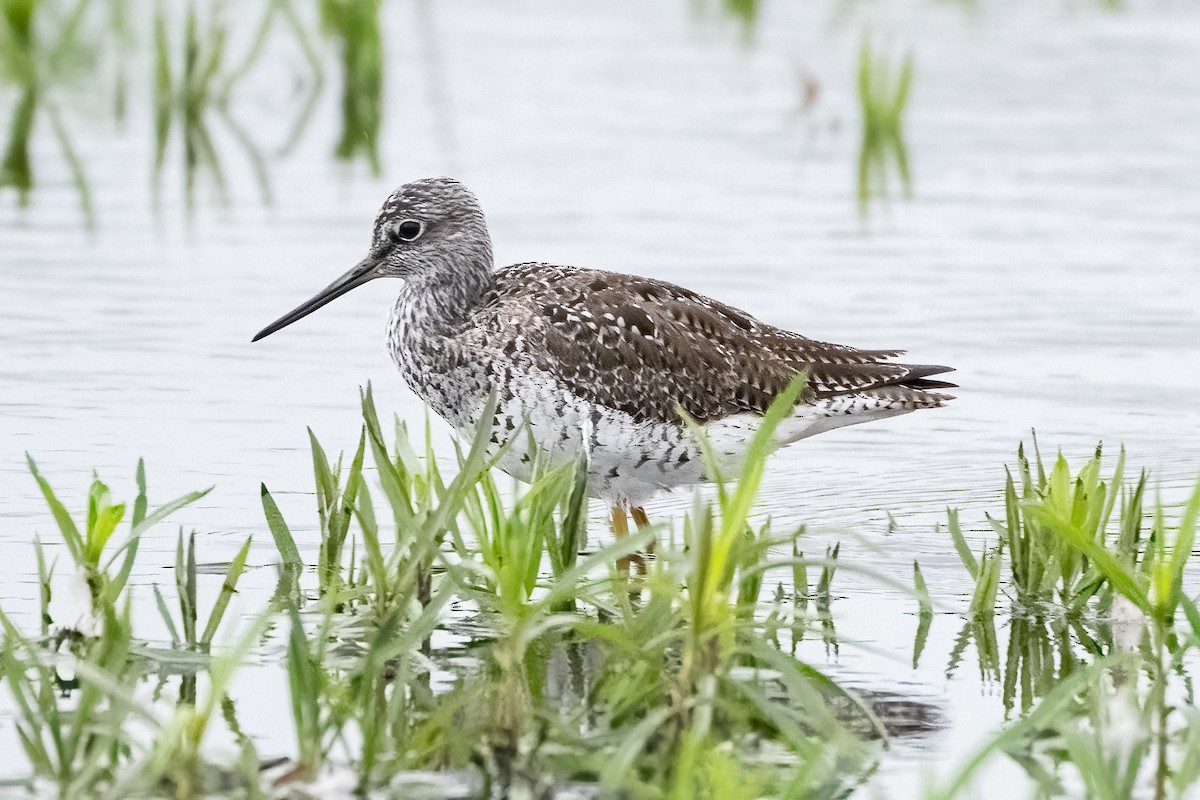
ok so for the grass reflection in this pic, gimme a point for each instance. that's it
(355, 26)
(192, 84)
(50, 46)
(35, 67)
(883, 89)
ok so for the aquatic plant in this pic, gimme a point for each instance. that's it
(185, 633)
(172, 760)
(75, 745)
(1063, 550)
(87, 547)
(82, 724)
(1096, 606)
(673, 638)
(680, 679)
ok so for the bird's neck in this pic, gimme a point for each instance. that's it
(443, 301)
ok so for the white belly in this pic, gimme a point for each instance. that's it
(628, 460)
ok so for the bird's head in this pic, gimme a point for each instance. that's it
(428, 231)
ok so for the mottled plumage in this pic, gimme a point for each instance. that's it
(644, 347)
(602, 360)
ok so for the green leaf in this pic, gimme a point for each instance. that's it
(66, 525)
(1113, 571)
(165, 613)
(394, 488)
(165, 510)
(139, 505)
(228, 587)
(574, 521)
(1185, 538)
(116, 585)
(1192, 613)
(960, 543)
(284, 542)
(925, 615)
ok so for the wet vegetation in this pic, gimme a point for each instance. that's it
(1100, 632)
(451, 628)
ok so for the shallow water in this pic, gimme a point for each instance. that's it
(1049, 253)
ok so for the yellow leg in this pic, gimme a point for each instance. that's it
(639, 518)
(620, 529)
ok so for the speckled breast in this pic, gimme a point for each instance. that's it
(538, 420)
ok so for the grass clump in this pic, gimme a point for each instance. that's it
(85, 725)
(187, 633)
(471, 633)
(77, 745)
(1100, 630)
(1065, 552)
(580, 671)
(87, 545)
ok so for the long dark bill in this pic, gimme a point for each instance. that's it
(360, 274)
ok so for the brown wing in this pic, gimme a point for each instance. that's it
(642, 346)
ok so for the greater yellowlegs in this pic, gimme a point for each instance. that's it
(602, 360)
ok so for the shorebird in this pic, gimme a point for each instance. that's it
(583, 358)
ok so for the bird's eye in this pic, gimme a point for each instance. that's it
(407, 230)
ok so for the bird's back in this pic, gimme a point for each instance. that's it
(646, 348)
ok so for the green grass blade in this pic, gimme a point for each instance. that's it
(117, 583)
(62, 517)
(285, 544)
(395, 488)
(185, 586)
(1181, 549)
(1113, 571)
(165, 510)
(925, 615)
(165, 613)
(574, 521)
(228, 587)
(139, 505)
(960, 543)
